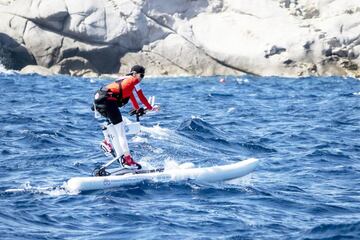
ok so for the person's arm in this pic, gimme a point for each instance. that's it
(142, 97)
(133, 101)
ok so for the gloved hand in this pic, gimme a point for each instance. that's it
(138, 112)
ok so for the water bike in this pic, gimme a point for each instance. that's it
(131, 128)
(205, 174)
(105, 176)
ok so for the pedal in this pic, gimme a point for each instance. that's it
(100, 172)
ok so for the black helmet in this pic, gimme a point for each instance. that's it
(137, 69)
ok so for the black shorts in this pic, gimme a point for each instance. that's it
(107, 108)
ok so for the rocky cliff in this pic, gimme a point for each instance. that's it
(183, 37)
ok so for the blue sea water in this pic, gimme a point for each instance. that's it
(305, 131)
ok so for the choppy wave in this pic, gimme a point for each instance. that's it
(349, 230)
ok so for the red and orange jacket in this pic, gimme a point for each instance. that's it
(129, 85)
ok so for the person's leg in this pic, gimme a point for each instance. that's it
(100, 105)
(117, 130)
(106, 145)
(114, 115)
(112, 112)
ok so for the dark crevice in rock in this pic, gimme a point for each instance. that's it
(273, 51)
(232, 67)
(198, 48)
(10, 22)
(57, 51)
(69, 35)
(67, 9)
(24, 30)
(105, 16)
(158, 22)
(288, 62)
(350, 65)
(175, 64)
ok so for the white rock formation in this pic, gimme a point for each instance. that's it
(29, 69)
(185, 37)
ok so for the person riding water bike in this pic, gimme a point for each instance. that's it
(114, 95)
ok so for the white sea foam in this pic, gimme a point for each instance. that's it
(157, 132)
(51, 191)
(172, 164)
(230, 110)
(138, 139)
(6, 71)
(242, 80)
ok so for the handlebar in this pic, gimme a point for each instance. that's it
(140, 112)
